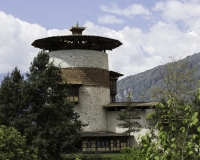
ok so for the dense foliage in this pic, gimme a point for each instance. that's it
(13, 145)
(178, 134)
(37, 107)
(133, 153)
(11, 109)
(129, 120)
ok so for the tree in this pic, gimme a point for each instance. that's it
(177, 79)
(176, 142)
(10, 100)
(129, 119)
(49, 120)
(13, 145)
(52, 126)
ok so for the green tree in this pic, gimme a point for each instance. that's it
(129, 119)
(52, 124)
(178, 77)
(11, 109)
(39, 109)
(177, 142)
(13, 145)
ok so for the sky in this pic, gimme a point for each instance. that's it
(151, 31)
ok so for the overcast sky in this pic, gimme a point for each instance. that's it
(151, 30)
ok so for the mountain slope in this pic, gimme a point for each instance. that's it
(141, 84)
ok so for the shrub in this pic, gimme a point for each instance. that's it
(13, 145)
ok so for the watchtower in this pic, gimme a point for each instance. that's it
(84, 63)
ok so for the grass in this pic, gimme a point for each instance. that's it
(113, 156)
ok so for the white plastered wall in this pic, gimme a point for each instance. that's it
(113, 123)
(91, 100)
(79, 58)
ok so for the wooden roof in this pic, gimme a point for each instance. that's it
(115, 74)
(102, 134)
(136, 105)
(76, 42)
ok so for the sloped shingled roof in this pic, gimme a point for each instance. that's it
(77, 42)
(136, 105)
(101, 134)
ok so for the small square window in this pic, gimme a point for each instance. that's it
(89, 144)
(73, 94)
(107, 144)
(99, 144)
(114, 143)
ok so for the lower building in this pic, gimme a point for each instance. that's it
(84, 64)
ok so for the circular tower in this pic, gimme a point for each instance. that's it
(84, 65)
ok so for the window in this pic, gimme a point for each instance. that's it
(107, 143)
(114, 143)
(112, 98)
(99, 144)
(89, 144)
(73, 94)
(113, 85)
(102, 144)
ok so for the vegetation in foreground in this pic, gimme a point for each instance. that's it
(92, 156)
(178, 135)
(37, 108)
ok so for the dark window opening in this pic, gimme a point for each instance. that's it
(114, 143)
(103, 143)
(112, 98)
(73, 94)
(99, 144)
(113, 86)
(89, 144)
(107, 143)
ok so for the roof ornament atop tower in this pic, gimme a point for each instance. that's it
(77, 30)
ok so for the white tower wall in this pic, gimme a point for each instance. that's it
(91, 97)
(79, 58)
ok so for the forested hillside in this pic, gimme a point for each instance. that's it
(142, 84)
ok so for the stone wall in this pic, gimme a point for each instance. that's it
(86, 76)
(91, 100)
(79, 58)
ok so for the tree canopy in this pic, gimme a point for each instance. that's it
(129, 120)
(13, 145)
(38, 108)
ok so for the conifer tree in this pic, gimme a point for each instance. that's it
(129, 120)
(38, 108)
(11, 111)
(52, 125)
